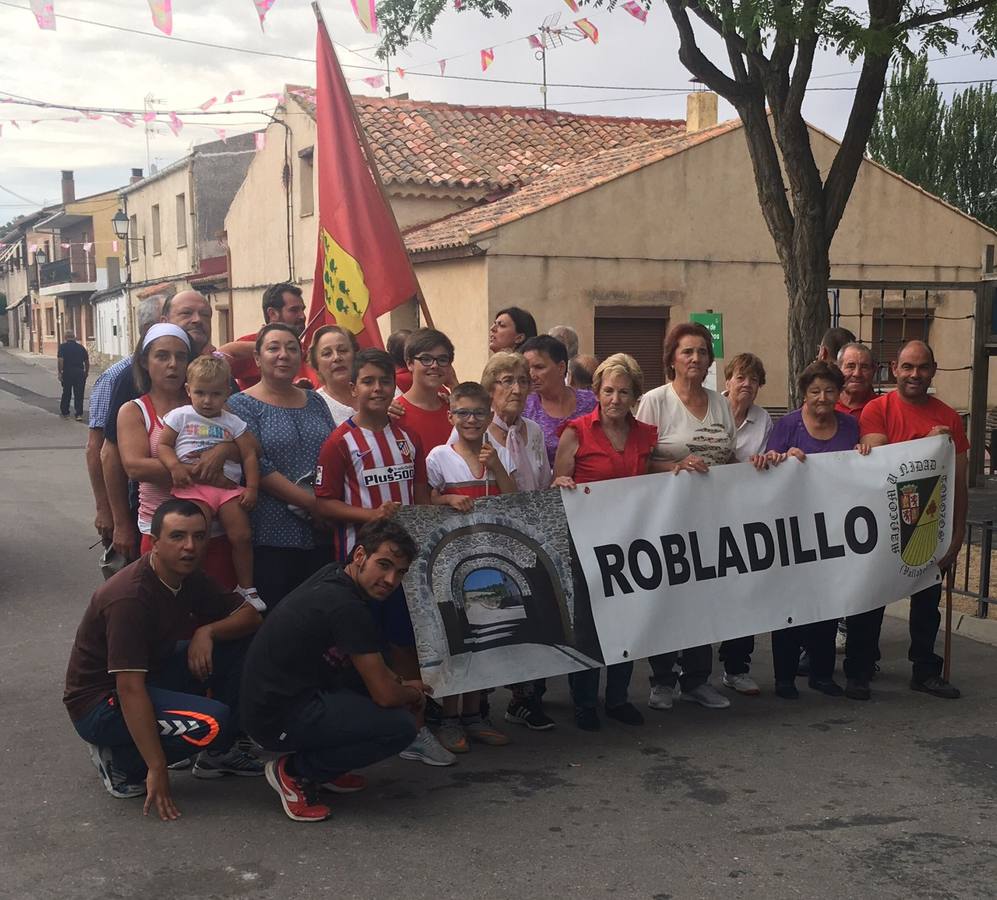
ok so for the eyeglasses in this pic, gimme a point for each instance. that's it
(426, 360)
(463, 414)
(511, 381)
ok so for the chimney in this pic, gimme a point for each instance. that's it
(68, 186)
(136, 176)
(701, 111)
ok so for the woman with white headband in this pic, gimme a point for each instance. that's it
(159, 367)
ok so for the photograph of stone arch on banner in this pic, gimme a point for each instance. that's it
(493, 598)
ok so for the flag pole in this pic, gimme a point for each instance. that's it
(947, 664)
(372, 165)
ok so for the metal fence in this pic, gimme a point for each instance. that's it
(972, 575)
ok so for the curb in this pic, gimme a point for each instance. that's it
(983, 631)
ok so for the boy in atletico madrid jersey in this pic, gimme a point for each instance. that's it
(459, 473)
(367, 469)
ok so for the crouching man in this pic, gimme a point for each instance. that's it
(136, 685)
(317, 689)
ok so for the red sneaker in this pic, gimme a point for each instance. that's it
(297, 795)
(349, 783)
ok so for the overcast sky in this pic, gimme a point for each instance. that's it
(90, 65)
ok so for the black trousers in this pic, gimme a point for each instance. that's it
(72, 384)
(697, 666)
(924, 621)
(862, 643)
(333, 732)
(279, 570)
(736, 655)
(817, 639)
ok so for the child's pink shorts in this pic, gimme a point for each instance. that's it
(213, 497)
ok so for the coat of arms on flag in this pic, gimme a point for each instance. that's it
(920, 518)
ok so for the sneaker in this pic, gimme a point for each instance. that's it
(79, 418)
(706, 695)
(252, 598)
(857, 689)
(626, 713)
(662, 696)
(840, 640)
(481, 730)
(453, 737)
(115, 782)
(587, 719)
(298, 796)
(215, 764)
(426, 749)
(742, 683)
(528, 712)
(937, 686)
(827, 686)
(347, 783)
(787, 690)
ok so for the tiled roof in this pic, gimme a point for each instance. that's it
(459, 229)
(496, 148)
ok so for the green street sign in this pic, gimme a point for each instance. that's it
(714, 323)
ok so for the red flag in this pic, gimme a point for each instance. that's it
(362, 269)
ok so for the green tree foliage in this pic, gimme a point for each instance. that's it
(763, 71)
(969, 153)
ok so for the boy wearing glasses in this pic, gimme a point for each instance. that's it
(459, 473)
(429, 355)
(367, 469)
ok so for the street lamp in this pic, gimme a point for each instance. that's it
(41, 257)
(120, 225)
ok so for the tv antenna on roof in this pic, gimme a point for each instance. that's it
(551, 37)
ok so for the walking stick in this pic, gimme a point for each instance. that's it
(947, 663)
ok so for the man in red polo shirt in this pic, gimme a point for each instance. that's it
(905, 415)
(281, 303)
(856, 364)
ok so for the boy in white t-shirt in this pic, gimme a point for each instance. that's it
(460, 473)
(188, 432)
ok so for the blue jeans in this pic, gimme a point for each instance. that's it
(332, 732)
(188, 721)
(585, 685)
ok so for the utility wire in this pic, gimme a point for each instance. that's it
(19, 197)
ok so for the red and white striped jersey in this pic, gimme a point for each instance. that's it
(366, 468)
(449, 473)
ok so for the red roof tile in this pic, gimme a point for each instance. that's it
(460, 229)
(496, 148)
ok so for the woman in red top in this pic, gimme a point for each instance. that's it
(606, 443)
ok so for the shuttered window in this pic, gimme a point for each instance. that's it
(639, 332)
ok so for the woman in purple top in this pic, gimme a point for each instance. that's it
(552, 402)
(816, 427)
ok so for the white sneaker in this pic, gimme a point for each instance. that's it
(426, 749)
(706, 695)
(743, 684)
(661, 697)
(840, 640)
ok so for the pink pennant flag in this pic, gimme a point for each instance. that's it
(44, 14)
(487, 58)
(400, 72)
(636, 10)
(125, 119)
(375, 81)
(535, 42)
(588, 29)
(65, 246)
(32, 248)
(87, 246)
(149, 117)
(14, 123)
(93, 117)
(162, 15)
(70, 119)
(221, 134)
(176, 126)
(208, 104)
(572, 5)
(114, 246)
(261, 139)
(273, 96)
(262, 8)
(366, 14)
(443, 67)
(231, 95)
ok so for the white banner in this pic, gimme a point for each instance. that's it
(694, 559)
(550, 582)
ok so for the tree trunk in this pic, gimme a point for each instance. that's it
(807, 269)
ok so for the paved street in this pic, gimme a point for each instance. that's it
(770, 799)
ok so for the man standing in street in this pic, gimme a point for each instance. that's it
(907, 414)
(74, 367)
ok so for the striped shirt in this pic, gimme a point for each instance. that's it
(365, 469)
(103, 389)
(449, 473)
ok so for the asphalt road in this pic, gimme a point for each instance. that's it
(769, 799)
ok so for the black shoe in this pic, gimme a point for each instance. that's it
(857, 689)
(787, 690)
(587, 719)
(626, 713)
(529, 712)
(937, 686)
(827, 686)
